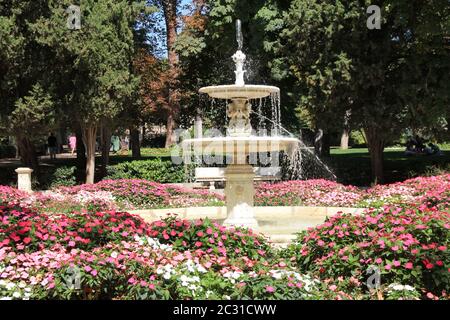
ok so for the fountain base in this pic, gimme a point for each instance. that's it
(239, 192)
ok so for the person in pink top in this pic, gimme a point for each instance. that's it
(73, 142)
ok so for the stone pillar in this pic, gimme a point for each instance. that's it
(239, 192)
(24, 179)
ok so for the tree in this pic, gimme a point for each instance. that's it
(382, 75)
(33, 115)
(99, 56)
(170, 9)
(26, 89)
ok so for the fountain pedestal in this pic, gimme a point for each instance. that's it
(239, 192)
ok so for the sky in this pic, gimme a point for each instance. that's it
(161, 45)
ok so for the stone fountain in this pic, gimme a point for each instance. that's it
(240, 141)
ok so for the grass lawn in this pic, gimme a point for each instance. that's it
(352, 166)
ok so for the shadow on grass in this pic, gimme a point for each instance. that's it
(353, 166)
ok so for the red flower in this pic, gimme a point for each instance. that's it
(198, 244)
(27, 240)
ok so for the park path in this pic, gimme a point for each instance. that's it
(43, 160)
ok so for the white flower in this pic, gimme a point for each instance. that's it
(5, 298)
(201, 269)
(192, 287)
(114, 255)
(398, 287)
(10, 285)
(409, 288)
(227, 297)
(16, 294)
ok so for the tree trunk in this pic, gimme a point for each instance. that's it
(169, 130)
(375, 143)
(170, 16)
(27, 153)
(81, 156)
(89, 132)
(344, 138)
(105, 146)
(135, 143)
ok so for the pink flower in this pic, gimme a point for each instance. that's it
(94, 272)
(332, 287)
(378, 260)
(395, 248)
(71, 243)
(200, 234)
(408, 265)
(270, 289)
(388, 267)
(198, 244)
(87, 268)
(396, 263)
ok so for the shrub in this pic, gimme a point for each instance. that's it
(152, 170)
(408, 245)
(63, 177)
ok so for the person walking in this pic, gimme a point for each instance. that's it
(72, 143)
(52, 146)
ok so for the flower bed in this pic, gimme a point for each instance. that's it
(141, 194)
(435, 190)
(108, 254)
(409, 246)
(111, 255)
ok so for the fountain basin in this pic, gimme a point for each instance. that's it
(248, 91)
(237, 146)
(278, 223)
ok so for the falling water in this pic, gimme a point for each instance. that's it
(302, 162)
(275, 108)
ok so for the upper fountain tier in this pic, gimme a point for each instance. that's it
(247, 91)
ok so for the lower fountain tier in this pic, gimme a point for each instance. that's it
(240, 146)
